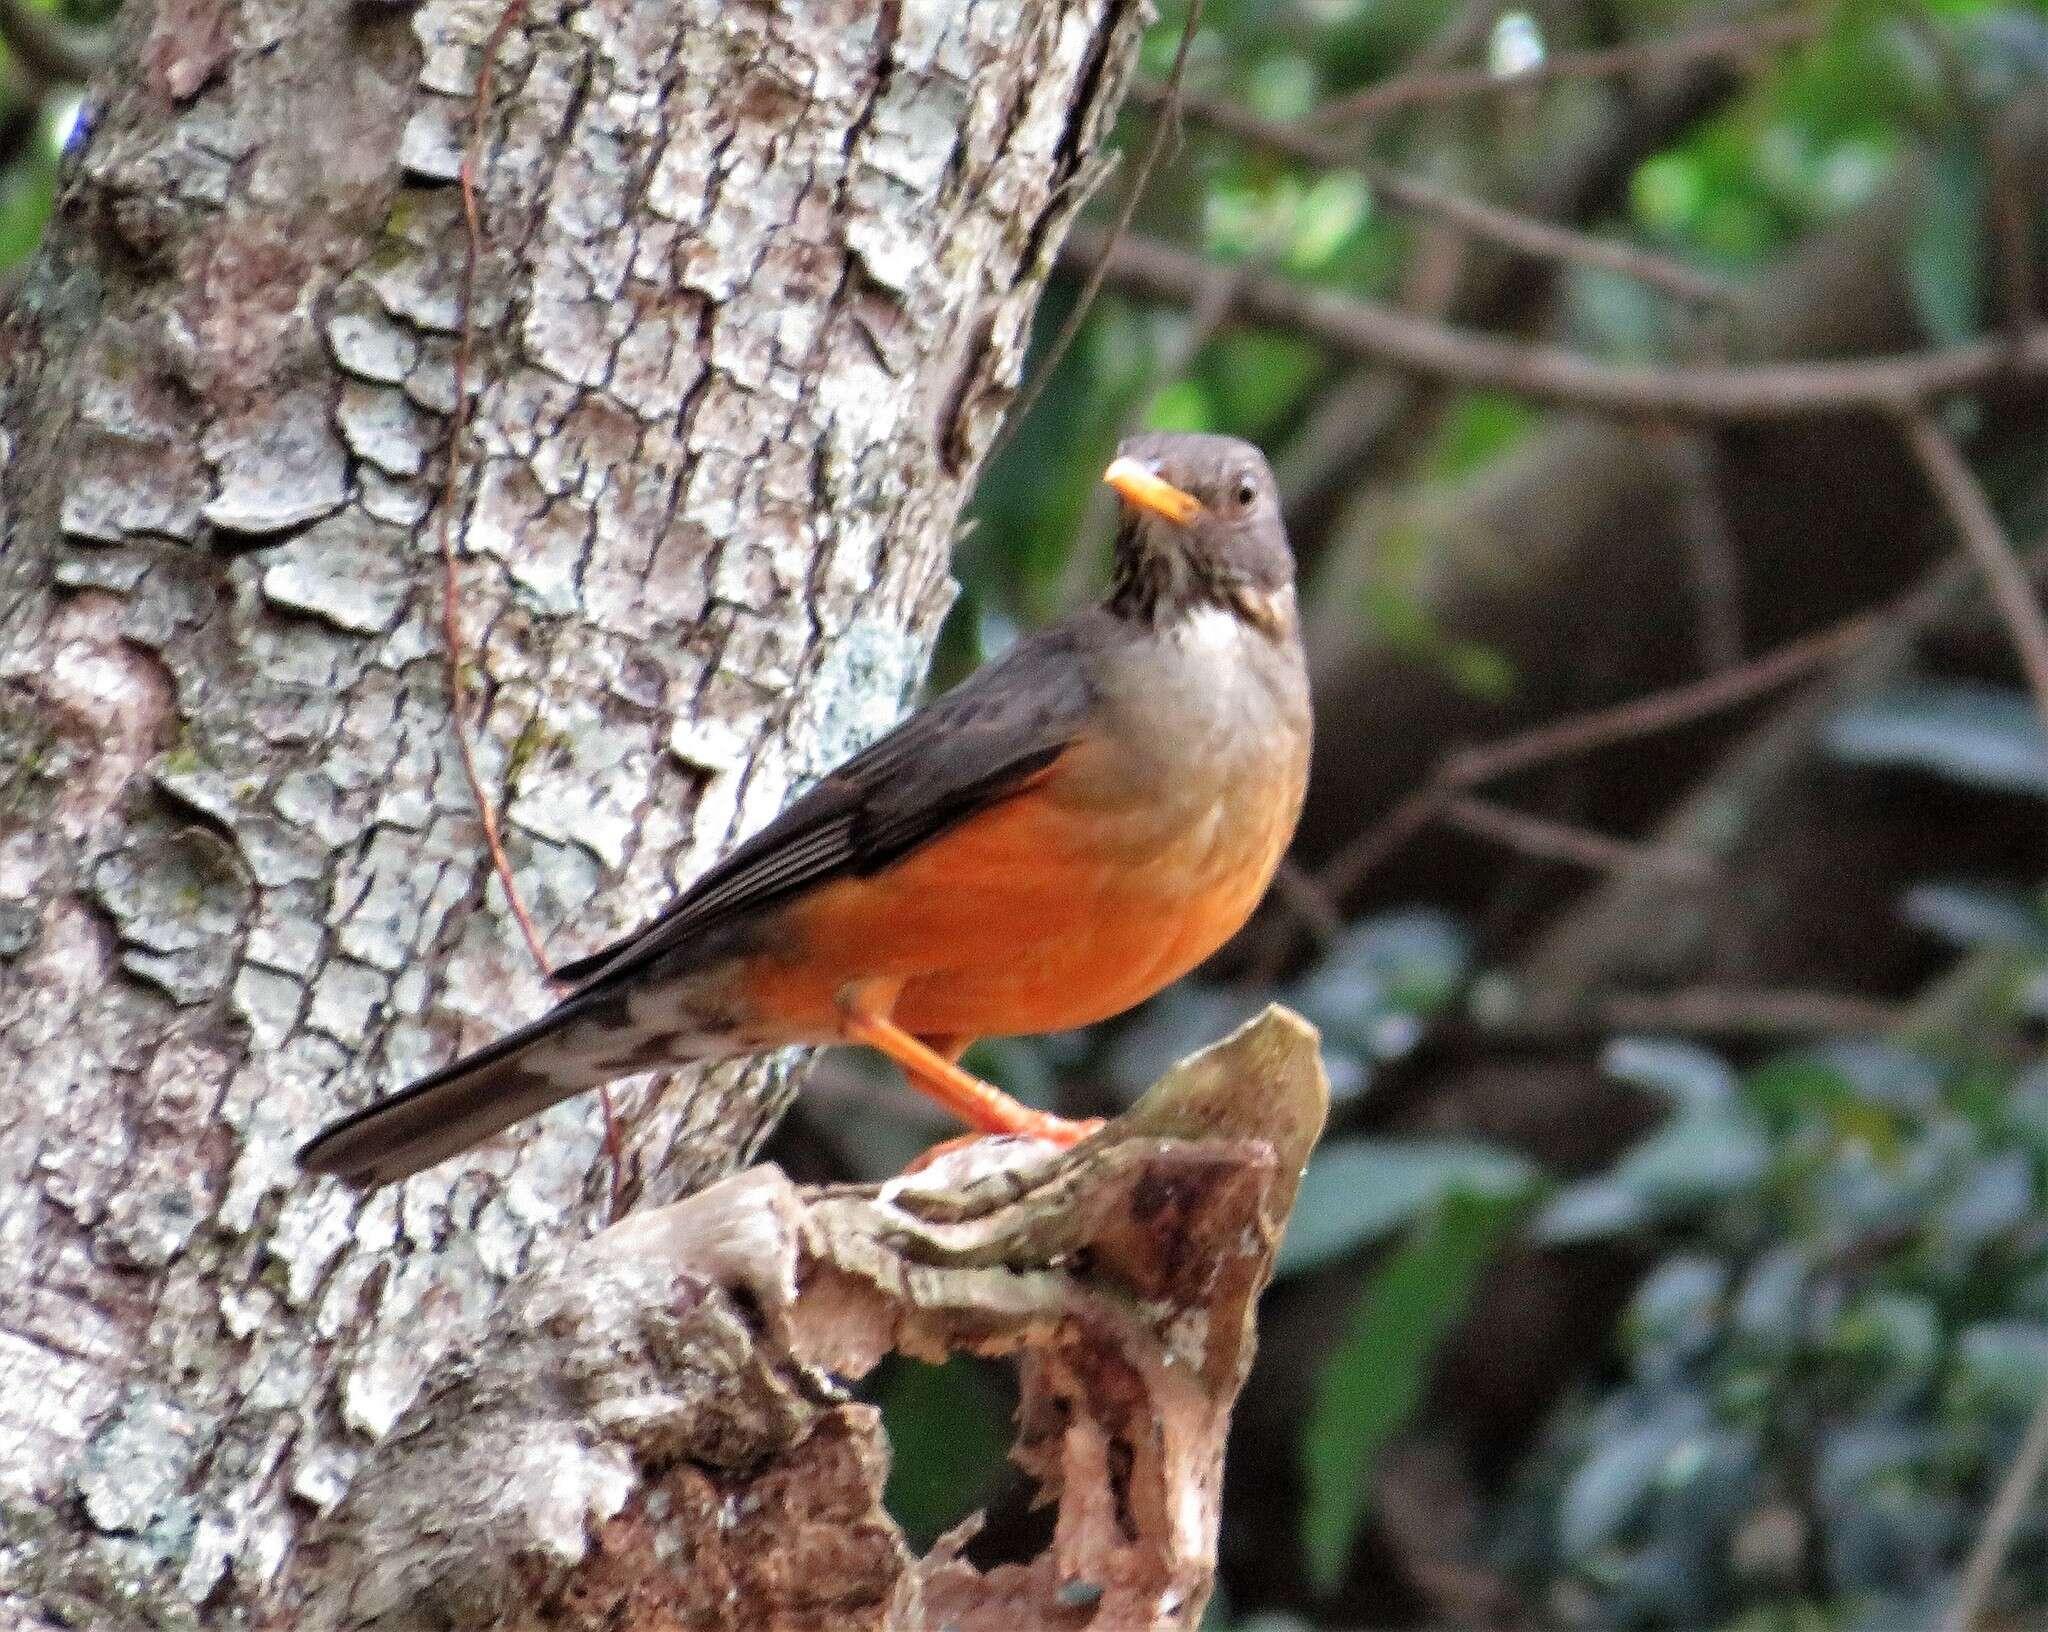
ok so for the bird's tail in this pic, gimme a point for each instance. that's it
(561, 1054)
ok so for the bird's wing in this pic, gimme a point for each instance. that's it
(984, 741)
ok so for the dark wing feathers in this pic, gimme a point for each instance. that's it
(979, 743)
(975, 746)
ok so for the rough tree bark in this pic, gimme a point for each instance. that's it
(757, 285)
(675, 1376)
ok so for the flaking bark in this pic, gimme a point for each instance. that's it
(757, 283)
(675, 1376)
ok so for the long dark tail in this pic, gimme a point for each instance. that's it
(561, 1054)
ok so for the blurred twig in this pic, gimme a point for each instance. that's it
(1548, 839)
(1987, 1557)
(1949, 474)
(1710, 549)
(1463, 29)
(1640, 56)
(1735, 1011)
(1091, 286)
(1364, 415)
(1378, 423)
(1511, 229)
(1764, 391)
(1299, 888)
(1633, 922)
(47, 49)
(1602, 728)
(2005, 201)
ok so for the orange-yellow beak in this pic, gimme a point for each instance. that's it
(1138, 487)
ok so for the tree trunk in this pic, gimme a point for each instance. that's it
(756, 284)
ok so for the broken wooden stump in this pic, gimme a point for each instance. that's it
(652, 1431)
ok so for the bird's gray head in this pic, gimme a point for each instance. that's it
(1200, 527)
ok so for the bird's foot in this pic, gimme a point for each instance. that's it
(935, 1072)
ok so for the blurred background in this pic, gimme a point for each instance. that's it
(1671, 891)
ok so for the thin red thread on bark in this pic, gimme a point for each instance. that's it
(451, 592)
(1092, 285)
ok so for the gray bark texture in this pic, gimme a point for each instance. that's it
(756, 285)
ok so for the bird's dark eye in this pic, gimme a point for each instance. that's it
(1247, 493)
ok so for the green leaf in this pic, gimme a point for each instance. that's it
(1770, 1308)
(1382, 978)
(1181, 405)
(1613, 1483)
(1983, 736)
(1946, 253)
(1479, 428)
(1678, 1308)
(1689, 1076)
(1968, 915)
(1254, 380)
(1334, 207)
(1396, 613)
(947, 1442)
(2000, 1366)
(1795, 1089)
(1281, 88)
(1591, 1210)
(1668, 192)
(27, 192)
(1479, 670)
(1357, 1190)
(1373, 1380)
(1696, 1158)
(1885, 1345)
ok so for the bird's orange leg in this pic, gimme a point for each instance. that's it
(981, 1105)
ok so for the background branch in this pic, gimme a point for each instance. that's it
(1718, 391)
(1963, 497)
(1510, 229)
(1487, 762)
(1410, 90)
(1994, 1541)
(47, 47)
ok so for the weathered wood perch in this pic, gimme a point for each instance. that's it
(652, 1431)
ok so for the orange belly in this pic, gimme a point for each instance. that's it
(1038, 915)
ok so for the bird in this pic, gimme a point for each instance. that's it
(1061, 835)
